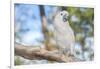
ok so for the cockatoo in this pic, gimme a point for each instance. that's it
(64, 35)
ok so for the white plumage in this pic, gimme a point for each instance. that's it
(63, 34)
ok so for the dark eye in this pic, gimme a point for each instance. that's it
(61, 13)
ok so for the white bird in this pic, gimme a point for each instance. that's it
(64, 34)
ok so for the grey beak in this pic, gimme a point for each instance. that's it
(65, 18)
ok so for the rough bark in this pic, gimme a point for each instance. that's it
(32, 53)
(44, 27)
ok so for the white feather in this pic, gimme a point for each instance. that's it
(64, 34)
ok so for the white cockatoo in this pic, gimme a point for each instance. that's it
(63, 33)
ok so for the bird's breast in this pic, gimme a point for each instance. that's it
(63, 34)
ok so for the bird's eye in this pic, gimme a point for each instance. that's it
(61, 13)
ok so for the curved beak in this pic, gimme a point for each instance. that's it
(65, 18)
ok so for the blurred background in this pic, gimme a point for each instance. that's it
(29, 28)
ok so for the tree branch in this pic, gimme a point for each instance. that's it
(32, 53)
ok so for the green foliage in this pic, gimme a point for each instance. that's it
(85, 17)
(17, 61)
(83, 26)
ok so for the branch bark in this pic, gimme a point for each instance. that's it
(44, 26)
(32, 53)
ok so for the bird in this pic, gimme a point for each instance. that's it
(64, 34)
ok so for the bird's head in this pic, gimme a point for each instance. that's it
(63, 16)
